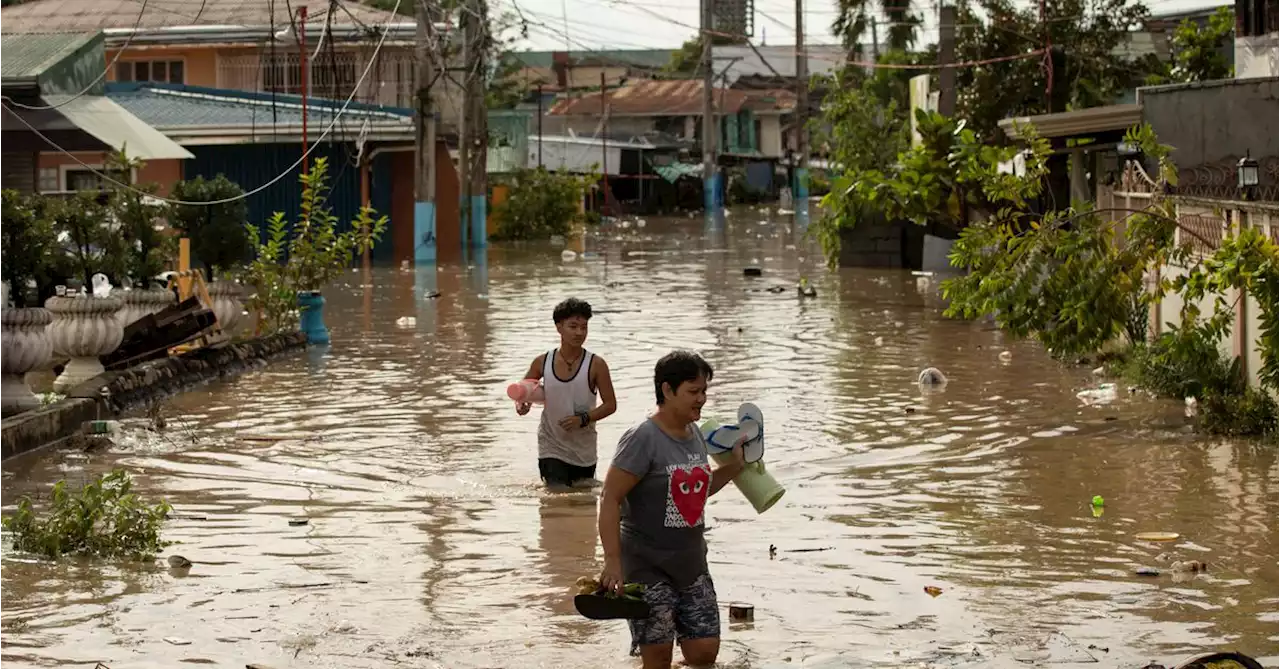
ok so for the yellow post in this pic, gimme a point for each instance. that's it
(184, 265)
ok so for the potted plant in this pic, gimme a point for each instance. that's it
(85, 325)
(148, 249)
(28, 243)
(219, 241)
(317, 254)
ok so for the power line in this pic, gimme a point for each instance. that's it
(107, 178)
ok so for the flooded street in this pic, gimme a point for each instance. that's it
(430, 542)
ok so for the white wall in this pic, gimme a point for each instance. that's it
(1256, 56)
(573, 155)
(771, 135)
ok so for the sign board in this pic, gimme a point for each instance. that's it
(733, 17)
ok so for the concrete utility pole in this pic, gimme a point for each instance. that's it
(466, 29)
(946, 56)
(424, 136)
(801, 188)
(710, 179)
(875, 43)
(473, 128)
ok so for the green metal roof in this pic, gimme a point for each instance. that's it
(24, 58)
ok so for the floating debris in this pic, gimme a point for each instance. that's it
(1146, 571)
(568, 255)
(1006, 357)
(179, 562)
(742, 613)
(1158, 536)
(298, 522)
(406, 322)
(933, 590)
(932, 376)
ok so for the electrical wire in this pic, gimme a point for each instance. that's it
(107, 178)
(136, 24)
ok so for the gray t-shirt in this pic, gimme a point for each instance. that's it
(662, 515)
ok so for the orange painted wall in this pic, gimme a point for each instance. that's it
(200, 64)
(163, 173)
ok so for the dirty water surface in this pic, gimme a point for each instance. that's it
(429, 543)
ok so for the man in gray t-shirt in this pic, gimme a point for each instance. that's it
(651, 517)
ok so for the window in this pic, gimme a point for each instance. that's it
(1256, 17)
(82, 179)
(48, 180)
(161, 71)
(332, 76)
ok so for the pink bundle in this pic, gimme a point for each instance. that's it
(526, 391)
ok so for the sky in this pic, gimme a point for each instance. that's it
(647, 24)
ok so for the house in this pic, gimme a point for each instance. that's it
(748, 121)
(229, 47)
(1257, 34)
(52, 96)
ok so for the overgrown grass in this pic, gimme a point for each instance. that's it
(1227, 404)
(102, 519)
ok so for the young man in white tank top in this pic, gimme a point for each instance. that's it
(573, 380)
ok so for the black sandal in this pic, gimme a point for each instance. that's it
(600, 606)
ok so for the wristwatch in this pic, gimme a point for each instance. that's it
(584, 417)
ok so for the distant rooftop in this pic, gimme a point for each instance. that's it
(170, 106)
(27, 57)
(48, 16)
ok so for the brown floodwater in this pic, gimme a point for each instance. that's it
(431, 544)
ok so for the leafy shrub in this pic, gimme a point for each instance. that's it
(542, 204)
(103, 519)
(217, 232)
(29, 245)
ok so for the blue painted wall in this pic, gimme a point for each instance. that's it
(251, 165)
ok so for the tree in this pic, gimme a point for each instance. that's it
(853, 17)
(217, 232)
(1198, 51)
(148, 249)
(1087, 71)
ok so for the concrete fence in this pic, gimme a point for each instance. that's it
(1204, 224)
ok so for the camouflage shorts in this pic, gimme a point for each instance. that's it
(689, 613)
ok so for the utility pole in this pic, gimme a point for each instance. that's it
(479, 124)
(302, 65)
(539, 125)
(946, 57)
(604, 143)
(424, 137)
(802, 116)
(710, 180)
(875, 43)
(466, 25)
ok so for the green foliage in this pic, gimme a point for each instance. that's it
(541, 204)
(307, 257)
(1198, 51)
(938, 181)
(103, 519)
(862, 128)
(853, 18)
(148, 250)
(1070, 278)
(1085, 35)
(30, 247)
(217, 232)
(97, 244)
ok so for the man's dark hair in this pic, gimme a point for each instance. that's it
(678, 367)
(570, 308)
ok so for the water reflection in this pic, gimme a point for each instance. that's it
(430, 542)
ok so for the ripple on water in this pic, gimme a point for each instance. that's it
(430, 543)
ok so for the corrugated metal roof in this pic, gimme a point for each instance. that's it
(30, 55)
(47, 16)
(165, 106)
(653, 98)
(768, 100)
(647, 58)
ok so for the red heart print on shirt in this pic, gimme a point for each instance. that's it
(689, 487)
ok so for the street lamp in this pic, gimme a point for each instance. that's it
(1247, 176)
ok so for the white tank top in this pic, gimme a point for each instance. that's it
(566, 398)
